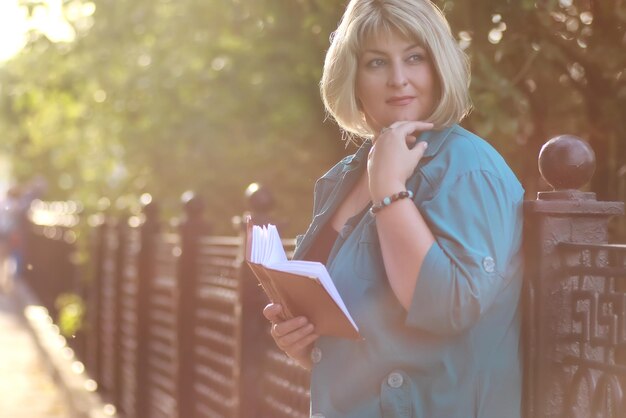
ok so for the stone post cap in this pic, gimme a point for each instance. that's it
(567, 162)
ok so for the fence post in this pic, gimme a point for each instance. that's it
(120, 230)
(94, 303)
(145, 272)
(192, 228)
(563, 215)
(34, 263)
(253, 340)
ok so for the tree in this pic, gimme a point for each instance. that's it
(163, 96)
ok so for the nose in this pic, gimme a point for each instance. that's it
(397, 76)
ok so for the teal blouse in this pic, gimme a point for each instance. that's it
(455, 353)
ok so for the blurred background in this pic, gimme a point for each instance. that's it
(102, 101)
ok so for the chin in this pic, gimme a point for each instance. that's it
(409, 115)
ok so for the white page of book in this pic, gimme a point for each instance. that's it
(275, 247)
(256, 245)
(262, 243)
(265, 245)
(267, 248)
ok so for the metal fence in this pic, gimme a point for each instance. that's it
(579, 348)
(168, 330)
(174, 326)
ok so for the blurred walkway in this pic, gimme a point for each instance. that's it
(26, 386)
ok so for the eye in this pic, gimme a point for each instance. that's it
(375, 63)
(416, 58)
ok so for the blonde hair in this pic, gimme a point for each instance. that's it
(418, 20)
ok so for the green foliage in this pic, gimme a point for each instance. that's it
(71, 314)
(163, 96)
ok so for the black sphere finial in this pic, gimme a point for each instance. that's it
(151, 209)
(193, 204)
(567, 162)
(148, 205)
(260, 198)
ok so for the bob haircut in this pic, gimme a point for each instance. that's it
(418, 20)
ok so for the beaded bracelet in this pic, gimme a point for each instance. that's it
(377, 207)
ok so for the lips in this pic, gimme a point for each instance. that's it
(400, 100)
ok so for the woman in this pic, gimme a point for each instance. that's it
(420, 231)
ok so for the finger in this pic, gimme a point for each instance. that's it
(409, 126)
(309, 339)
(425, 124)
(419, 149)
(272, 312)
(383, 130)
(285, 327)
(297, 335)
(380, 134)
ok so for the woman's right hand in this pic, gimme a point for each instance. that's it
(294, 336)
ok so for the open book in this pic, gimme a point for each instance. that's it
(300, 287)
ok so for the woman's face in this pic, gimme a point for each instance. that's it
(395, 81)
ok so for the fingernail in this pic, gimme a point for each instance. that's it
(424, 144)
(301, 320)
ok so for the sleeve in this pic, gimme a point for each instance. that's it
(477, 224)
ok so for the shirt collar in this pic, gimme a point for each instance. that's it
(434, 138)
(355, 160)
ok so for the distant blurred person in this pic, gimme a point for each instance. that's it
(32, 190)
(10, 236)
